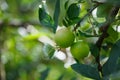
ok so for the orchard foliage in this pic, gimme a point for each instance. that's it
(29, 50)
(97, 23)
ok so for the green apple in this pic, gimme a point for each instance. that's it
(79, 50)
(64, 38)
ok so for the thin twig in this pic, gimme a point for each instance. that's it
(90, 11)
(105, 27)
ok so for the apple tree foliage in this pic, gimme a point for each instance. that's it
(97, 22)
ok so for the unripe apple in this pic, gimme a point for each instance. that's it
(64, 38)
(79, 50)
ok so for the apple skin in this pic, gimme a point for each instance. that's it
(64, 38)
(79, 50)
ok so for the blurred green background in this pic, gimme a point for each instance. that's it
(21, 48)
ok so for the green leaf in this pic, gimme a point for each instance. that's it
(113, 35)
(48, 50)
(80, 1)
(44, 74)
(94, 50)
(118, 64)
(103, 10)
(73, 11)
(86, 70)
(112, 63)
(66, 4)
(45, 19)
(32, 36)
(67, 22)
(56, 14)
(115, 76)
(86, 34)
(114, 2)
